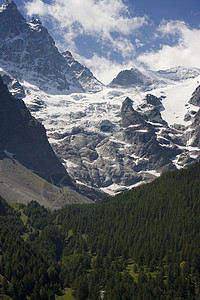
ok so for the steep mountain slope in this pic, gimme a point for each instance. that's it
(151, 233)
(141, 244)
(28, 52)
(24, 139)
(142, 124)
(20, 185)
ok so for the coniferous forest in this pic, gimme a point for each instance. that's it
(141, 244)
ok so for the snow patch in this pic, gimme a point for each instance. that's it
(153, 172)
(9, 154)
(69, 164)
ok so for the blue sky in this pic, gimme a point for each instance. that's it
(185, 10)
(111, 35)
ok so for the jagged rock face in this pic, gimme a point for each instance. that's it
(119, 154)
(138, 132)
(151, 108)
(96, 161)
(84, 75)
(195, 133)
(7, 27)
(195, 99)
(13, 85)
(27, 47)
(194, 117)
(23, 138)
(106, 126)
(141, 135)
(129, 116)
(153, 100)
(28, 52)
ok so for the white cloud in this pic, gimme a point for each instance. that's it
(123, 46)
(104, 69)
(138, 43)
(184, 53)
(102, 16)
(97, 18)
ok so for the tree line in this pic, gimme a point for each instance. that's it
(140, 244)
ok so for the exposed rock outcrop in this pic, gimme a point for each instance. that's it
(195, 99)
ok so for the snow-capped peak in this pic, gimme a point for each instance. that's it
(28, 52)
(179, 73)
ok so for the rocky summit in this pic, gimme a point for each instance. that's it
(132, 77)
(108, 138)
(28, 52)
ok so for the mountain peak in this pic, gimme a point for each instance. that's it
(28, 51)
(9, 3)
(67, 54)
(35, 21)
(132, 77)
(127, 104)
(10, 10)
(129, 116)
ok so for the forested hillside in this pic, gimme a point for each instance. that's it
(141, 244)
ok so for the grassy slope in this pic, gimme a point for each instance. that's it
(18, 184)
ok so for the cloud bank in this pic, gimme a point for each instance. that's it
(185, 53)
(105, 69)
(113, 29)
(101, 19)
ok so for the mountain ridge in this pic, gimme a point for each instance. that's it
(27, 49)
(100, 145)
(148, 78)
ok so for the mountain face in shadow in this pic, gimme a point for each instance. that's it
(24, 139)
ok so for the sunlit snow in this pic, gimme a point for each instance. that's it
(61, 113)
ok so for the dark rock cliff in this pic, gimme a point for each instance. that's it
(24, 139)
